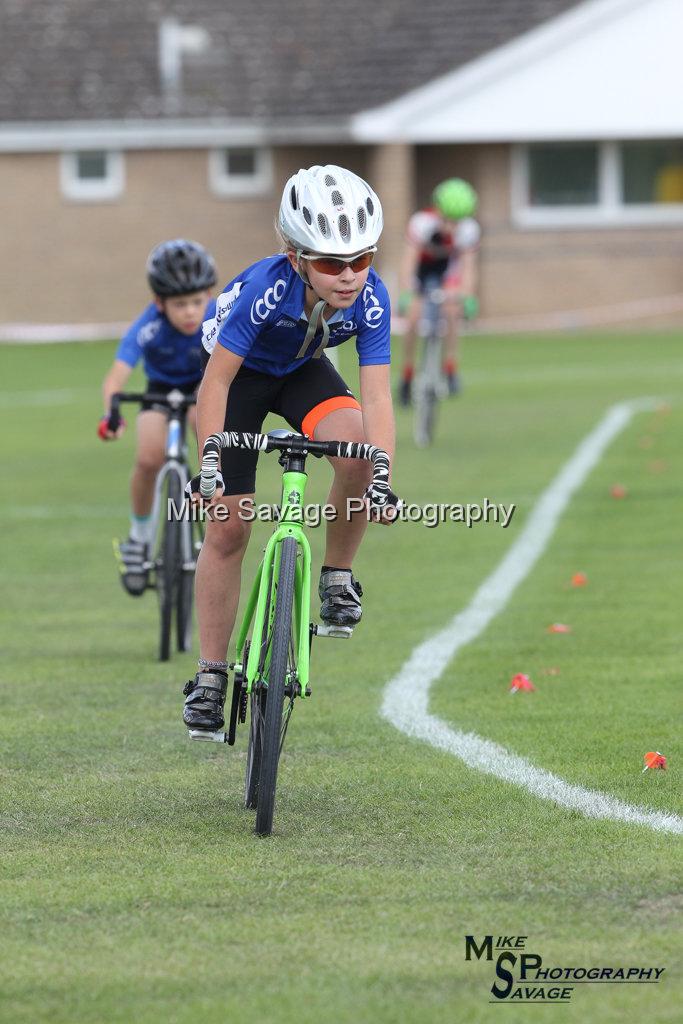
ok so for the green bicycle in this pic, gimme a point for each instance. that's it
(273, 646)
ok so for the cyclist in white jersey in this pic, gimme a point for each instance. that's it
(265, 352)
(440, 253)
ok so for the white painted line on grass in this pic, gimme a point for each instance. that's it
(406, 697)
(56, 396)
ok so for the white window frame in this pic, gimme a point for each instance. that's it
(223, 184)
(608, 211)
(91, 190)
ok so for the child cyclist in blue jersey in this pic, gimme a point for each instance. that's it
(167, 337)
(267, 343)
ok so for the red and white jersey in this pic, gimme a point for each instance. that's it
(442, 243)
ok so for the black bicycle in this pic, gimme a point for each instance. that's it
(177, 535)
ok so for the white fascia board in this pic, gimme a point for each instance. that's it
(43, 137)
(607, 68)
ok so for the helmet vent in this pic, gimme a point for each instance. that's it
(362, 219)
(329, 180)
(307, 214)
(324, 225)
(337, 198)
(292, 197)
(370, 206)
(344, 227)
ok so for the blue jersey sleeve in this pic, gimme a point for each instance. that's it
(130, 346)
(373, 341)
(253, 308)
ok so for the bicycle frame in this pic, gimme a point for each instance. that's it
(265, 585)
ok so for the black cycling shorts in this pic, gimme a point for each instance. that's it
(159, 387)
(302, 398)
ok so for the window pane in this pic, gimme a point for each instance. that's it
(652, 172)
(240, 161)
(563, 175)
(91, 166)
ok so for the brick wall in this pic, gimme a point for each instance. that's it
(543, 271)
(63, 261)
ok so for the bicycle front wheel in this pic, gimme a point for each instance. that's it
(167, 561)
(427, 394)
(257, 719)
(275, 722)
(189, 550)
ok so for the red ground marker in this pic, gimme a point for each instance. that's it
(653, 759)
(521, 682)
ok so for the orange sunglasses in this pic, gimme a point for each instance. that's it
(335, 265)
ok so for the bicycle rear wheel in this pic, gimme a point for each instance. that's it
(167, 561)
(281, 657)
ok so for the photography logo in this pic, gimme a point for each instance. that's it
(523, 977)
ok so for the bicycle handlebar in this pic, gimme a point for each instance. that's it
(174, 400)
(378, 491)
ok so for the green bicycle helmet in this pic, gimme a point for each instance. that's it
(455, 199)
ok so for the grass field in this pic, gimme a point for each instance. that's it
(132, 887)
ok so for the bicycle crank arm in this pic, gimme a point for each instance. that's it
(207, 737)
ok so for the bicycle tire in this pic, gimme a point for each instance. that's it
(185, 598)
(277, 679)
(427, 395)
(257, 714)
(167, 564)
(257, 702)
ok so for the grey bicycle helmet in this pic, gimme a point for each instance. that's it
(179, 267)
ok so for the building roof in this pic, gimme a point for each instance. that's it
(264, 61)
(605, 69)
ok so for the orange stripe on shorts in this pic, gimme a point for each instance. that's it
(320, 411)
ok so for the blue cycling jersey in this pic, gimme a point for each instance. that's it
(260, 316)
(168, 355)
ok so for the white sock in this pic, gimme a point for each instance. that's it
(141, 528)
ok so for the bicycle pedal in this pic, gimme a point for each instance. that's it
(207, 737)
(340, 632)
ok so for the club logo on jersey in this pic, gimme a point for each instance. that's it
(148, 331)
(261, 307)
(227, 300)
(224, 304)
(373, 311)
(347, 327)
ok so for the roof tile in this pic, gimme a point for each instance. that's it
(269, 60)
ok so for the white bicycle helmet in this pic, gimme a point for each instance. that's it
(330, 210)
